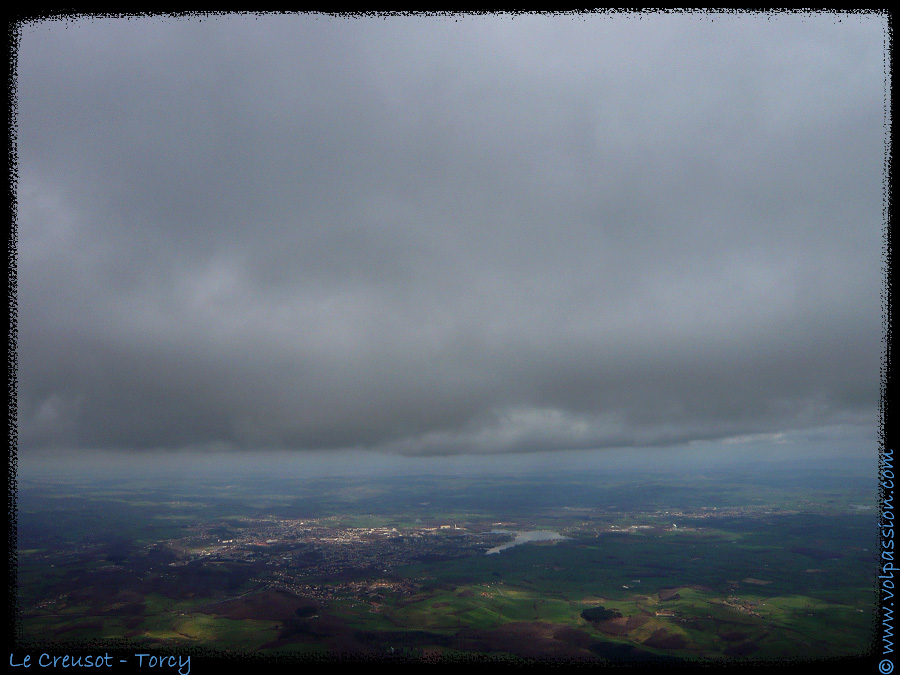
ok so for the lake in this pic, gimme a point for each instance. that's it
(524, 537)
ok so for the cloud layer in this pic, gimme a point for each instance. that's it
(459, 234)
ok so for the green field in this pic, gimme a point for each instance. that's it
(688, 569)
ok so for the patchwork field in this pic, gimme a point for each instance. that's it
(388, 569)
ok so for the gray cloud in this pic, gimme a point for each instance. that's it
(450, 234)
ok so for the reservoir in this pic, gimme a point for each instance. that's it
(523, 537)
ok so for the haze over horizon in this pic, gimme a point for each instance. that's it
(452, 235)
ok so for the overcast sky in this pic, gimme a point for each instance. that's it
(446, 235)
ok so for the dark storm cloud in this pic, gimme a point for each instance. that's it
(435, 236)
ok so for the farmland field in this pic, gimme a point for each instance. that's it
(719, 569)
